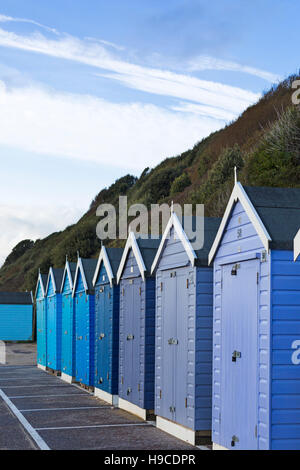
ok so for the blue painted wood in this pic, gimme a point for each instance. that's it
(41, 324)
(84, 312)
(184, 307)
(236, 245)
(107, 306)
(54, 325)
(16, 322)
(68, 365)
(137, 320)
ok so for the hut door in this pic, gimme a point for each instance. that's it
(239, 355)
(132, 314)
(174, 375)
(102, 339)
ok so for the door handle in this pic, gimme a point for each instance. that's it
(101, 336)
(129, 337)
(172, 341)
(236, 355)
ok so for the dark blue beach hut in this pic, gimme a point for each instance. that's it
(107, 306)
(53, 322)
(41, 311)
(16, 316)
(184, 313)
(84, 307)
(137, 326)
(256, 371)
(68, 324)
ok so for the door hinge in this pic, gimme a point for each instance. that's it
(255, 431)
(186, 402)
(172, 409)
(139, 388)
(257, 278)
(161, 286)
(160, 394)
(122, 380)
(140, 291)
(187, 283)
(107, 375)
(123, 291)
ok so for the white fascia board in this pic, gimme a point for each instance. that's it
(67, 270)
(297, 245)
(40, 281)
(103, 257)
(239, 194)
(79, 267)
(174, 222)
(51, 275)
(131, 244)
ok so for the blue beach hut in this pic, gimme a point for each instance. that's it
(107, 306)
(41, 311)
(183, 345)
(16, 316)
(84, 314)
(53, 320)
(256, 371)
(137, 326)
(68, 325)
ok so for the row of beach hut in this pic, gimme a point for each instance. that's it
(207, 341)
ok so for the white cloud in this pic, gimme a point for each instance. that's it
(131, 136)
(10, 19)
(150, 80)
(22, 222)
(216, 113)
(210, 63)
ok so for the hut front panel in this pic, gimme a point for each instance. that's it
(106, 334)
(285, 385)
(68, 340)
(173, 255)
(16, 322)
(240, 241)
(203, 348)
(41, 330)
(84, 335)
(54, 326)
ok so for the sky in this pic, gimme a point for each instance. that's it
(92, 90)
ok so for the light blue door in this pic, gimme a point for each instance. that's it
(239, 355)
(175, 312)
(41, 331)
(82, 355)
(67, 334)
(132, 322)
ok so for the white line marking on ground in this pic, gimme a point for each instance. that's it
(33, 433)
(33, 386)
(75, 408)
(47, 396)
(93, 426)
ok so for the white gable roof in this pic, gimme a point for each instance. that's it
(297, 245)
(103, 258)
(131, 244)
(67, 271)
(239, 194)
(174, 222)
(40, 281)
(51, 275)
(79, 267)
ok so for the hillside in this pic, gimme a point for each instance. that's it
(264, 144)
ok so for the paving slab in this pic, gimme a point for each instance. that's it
(42, 390)
(58, 402)
(12, 434)
(113, 438)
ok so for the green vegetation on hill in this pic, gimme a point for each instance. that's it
(263, 143)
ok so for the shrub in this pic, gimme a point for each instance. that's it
(180, 183)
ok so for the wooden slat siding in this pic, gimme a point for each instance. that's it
(39, 294)
(91, 336)
(113, 334)
(203, 348)
(150, 344)
(67, 355)
(131, 261)
(230, 246)
(174, 256)
(79, 283)
(50, 288)
(58, 329)
(142, 371)
(121, 341)
(191, 352)
(158, 344)
(285, 415)
(16, 322)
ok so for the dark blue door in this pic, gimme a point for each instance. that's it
(132, 321)
(103, 299)
(239, 355)
(67, 334)
(176, 288)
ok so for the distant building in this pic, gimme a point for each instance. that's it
(16, 316)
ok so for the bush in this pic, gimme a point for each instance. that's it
(180, 183)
